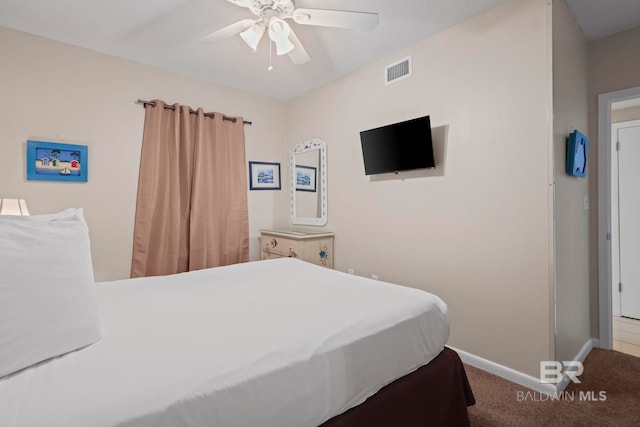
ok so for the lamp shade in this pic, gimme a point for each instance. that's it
(13, 207)
(252, 35)
(279, 32)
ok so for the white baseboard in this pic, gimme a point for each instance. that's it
(504, 372)
(582, 354)
(519, 377)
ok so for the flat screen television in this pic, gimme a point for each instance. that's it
(398, 147)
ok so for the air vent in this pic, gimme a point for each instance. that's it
(397, 71)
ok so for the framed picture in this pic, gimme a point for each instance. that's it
(51, 161)
(264, 176)
(306, 178)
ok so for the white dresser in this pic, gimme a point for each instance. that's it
(313, 247)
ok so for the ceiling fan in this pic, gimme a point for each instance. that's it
(271, 18)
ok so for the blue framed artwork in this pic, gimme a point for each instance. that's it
(51, 161)
(306, 178)
(264, 176)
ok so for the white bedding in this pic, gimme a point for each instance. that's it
(279, 343)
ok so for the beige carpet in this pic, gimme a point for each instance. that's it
(617, 375)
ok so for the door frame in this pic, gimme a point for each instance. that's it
(605, 315)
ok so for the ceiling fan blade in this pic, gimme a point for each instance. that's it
(184, 23)
(241, 3)
(336, 18)
(298, 55)
(229, 30)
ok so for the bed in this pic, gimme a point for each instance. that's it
(269, 343)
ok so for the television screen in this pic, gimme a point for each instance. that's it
(398, 147)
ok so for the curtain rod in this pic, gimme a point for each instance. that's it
(171, 107)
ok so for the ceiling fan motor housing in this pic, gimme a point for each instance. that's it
(265, 9)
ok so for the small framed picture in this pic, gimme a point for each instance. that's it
(306, 178)
(52, 161)
(264, 176)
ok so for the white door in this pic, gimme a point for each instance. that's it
(629, 219)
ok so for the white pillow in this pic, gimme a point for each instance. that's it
(47, 305)
(67, 213)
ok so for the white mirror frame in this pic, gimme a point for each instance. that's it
(303, 147)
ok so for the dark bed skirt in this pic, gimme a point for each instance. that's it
(437, 394)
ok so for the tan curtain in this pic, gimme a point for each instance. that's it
(191, 211)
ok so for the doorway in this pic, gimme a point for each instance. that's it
(625, 236)
(618, 245)
(625, 208)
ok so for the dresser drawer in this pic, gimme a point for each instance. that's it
(281, 246)
(316, 248)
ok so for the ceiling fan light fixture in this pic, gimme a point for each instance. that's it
(252, 35)
(279, 32)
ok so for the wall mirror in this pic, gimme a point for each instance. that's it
(309, 183)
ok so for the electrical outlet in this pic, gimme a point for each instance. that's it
(351, 271)
(374, 276)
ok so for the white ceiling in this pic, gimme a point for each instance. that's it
(601, 18)
(166, 33)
